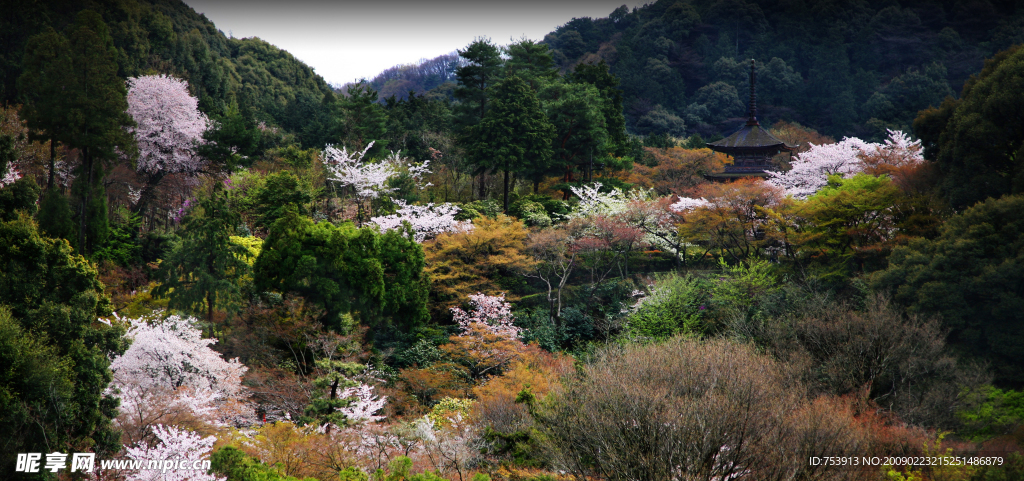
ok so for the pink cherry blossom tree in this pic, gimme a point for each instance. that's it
(168, 128)
(169, 124)
(189, 449)
(170, 369)
(491, 312)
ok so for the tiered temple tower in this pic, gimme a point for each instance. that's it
(751, 147)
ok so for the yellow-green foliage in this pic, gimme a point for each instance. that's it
(450, 410)
(252, 243)
(143, 303)
(464, 263)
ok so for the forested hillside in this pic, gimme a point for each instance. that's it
(517, 262)
(847, 68)
(167, 36)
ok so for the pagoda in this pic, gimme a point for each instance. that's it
(751, 147)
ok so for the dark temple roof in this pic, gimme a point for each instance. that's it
(751, 138)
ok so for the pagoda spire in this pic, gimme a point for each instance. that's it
(752, 120)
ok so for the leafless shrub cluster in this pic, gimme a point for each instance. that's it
(690, 410)
(899, 362)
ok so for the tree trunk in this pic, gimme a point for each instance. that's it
(53, 154)
(483, 184)
(209, 311)
(87, 164)
(505, 192)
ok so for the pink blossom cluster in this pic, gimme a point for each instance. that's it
(187, 447)
(427, 221)
(810, 170)
(490, 311)
(182, 210)
(10, 177)
(170, 356)
(168, 124)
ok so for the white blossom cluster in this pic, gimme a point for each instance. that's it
(427, 221)
(490, 311)
(685, 204)
(369, 179)
(810, 170)
(594, 202)
(182, 445)
(365, 404)
(170, 356)
(168, 122)
(10, 177)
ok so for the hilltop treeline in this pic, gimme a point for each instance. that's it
(847, 68)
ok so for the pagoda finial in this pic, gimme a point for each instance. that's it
(753, 97)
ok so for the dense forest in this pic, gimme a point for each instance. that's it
(520, 261)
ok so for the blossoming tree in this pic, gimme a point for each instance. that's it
(186, 448)
(489, 341)
(848, 157)
(427, 221)
(170, 369)
(168, 128)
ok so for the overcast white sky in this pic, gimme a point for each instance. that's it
(345, 40)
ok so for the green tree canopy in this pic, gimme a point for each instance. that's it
(515, 135)
(377, 277)
(202, 271)
(363, 119)
(96, 114)
(608, 84)
(532, 62)
(54, 352)
(575, 110)
(978, 140)
(972, 275)
(42, 82)
(848, 224)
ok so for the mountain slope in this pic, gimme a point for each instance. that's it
(167, 36)
(846, 68)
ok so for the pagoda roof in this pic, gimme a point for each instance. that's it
(750, 138)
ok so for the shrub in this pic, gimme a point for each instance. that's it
(676, 304)
(691, 410)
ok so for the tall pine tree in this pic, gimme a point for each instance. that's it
(482, 69)
(201, 272)
(42, 84)
(514, 133)
(96, 111)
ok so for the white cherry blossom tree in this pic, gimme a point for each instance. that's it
(185, 447)
(170, 368)
(810, 170)
(10, 177)
(168, 122)
(427, 221)
(491, 312)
